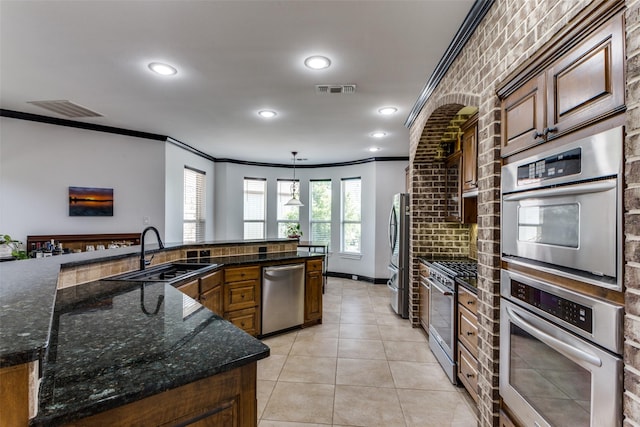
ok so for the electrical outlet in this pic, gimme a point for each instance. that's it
(146, 220)
(354, 277)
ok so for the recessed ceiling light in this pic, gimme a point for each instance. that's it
(387, 111)
(267, 114)
(374, 149)
(162, 69)
(317, 62)
(379, 134)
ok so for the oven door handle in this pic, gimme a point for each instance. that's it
(592, 187)
(445, 292)
(553, 342)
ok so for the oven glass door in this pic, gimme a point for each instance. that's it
(441, 315)
(572, 226)
(551, 377)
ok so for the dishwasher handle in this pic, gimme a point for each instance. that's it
(285, 267)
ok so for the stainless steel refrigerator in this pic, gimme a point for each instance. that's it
(398, 283)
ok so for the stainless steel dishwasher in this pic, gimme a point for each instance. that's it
(282, 297)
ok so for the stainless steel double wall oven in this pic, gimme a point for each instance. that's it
(560, 345)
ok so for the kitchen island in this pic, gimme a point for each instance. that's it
(107, 345)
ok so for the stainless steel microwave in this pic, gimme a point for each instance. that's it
(561, 209)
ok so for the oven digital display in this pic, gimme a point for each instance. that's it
(571, 312)
(560, 165)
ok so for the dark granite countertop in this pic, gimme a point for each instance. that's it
(113, 343)
(28, 289)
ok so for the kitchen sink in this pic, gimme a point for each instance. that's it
(171, 272)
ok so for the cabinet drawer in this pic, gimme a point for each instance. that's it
(424, 270)
(210, 281)
(468, 372)
(314, 265)
(237, 274)
(467, 300)
(191, 289)
(468, 330)
(247, 320)
(241, 295)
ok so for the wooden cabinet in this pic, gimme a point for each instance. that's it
(577, 84)
(467, 354)
(424, 290)
(241, 297)
(470, 155)
(313, 292)
(14, 395)
(505, 421)
(211, 292)
(226, 399)
(458, 208)
(191, 289)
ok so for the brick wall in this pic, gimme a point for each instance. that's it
(511, 32)
(632, 218)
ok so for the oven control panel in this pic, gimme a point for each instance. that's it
(560, 165)
(571, 312)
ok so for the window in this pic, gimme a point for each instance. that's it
(287, 215)
(255, 201)
(320, 211)
(351, 215)
(193, 225)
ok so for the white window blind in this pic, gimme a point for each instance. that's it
(193, 229)
(351, 215)
(255, 201)
(287, 215)
(320, 212)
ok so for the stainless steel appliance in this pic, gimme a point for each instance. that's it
(398, 282)
(561, 210)
(442, 310)
(282, 297)
(560, 362)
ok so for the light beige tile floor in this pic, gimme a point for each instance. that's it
(363, 366)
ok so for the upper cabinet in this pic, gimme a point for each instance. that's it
(461, 176)
(470, 155)
(576, 83)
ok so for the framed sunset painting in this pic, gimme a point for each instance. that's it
(86, 201)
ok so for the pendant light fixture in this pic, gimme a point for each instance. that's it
(294, 201)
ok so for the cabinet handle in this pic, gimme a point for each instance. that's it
(470, 375)
(547, 131)
(469, 333)
(470, 302)
(537, 134)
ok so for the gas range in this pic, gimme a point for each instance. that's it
(446, 271)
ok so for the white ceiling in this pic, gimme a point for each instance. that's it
(234, 58)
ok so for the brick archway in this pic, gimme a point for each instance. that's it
(430, 234)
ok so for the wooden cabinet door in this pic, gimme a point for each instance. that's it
(470, 154)
(587, 83)
(313, 297)
(523, 117)
(212, 299)
(424, 303)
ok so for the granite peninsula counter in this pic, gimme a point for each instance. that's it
(105, 344)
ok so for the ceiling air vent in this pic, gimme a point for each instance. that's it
(66, 108)
(335, 89)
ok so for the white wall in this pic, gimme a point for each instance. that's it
(380, 180)
(176, 159)
(38, 163)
